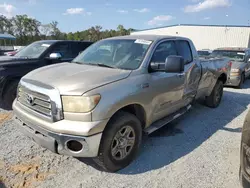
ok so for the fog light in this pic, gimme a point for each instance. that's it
(74, 145)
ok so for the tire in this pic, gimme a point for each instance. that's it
(110, 156)
(9, 95)
(240, 176)
(213, 101)
(242, 80)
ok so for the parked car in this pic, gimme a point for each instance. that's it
(37, 54)
(99, 104)
(240, 58)
(12, 53)
(204, 53)
(245, 153)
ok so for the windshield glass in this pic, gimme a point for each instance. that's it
(232, 55)
(33, 50)
(117, 53)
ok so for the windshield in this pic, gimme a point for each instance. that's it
(232, 55)
(33, 50)
(119, 53)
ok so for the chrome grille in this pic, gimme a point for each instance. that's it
(36, 101)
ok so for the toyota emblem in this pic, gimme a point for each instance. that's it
(30, 99)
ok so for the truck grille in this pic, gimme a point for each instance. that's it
(36, 101)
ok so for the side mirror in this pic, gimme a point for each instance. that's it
(53, 56)
(174, 64)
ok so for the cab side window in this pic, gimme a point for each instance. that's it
(79, 47)
(184, 50)
(64, 49)
(164, 50)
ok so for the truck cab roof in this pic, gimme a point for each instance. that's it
(147, 37)
(55, 41)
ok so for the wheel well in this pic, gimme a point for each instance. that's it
(223, 78)
(8, 82)
(136, 110)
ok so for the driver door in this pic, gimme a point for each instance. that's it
(167, 88)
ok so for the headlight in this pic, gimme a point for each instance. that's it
(235, 70)
(80, 104)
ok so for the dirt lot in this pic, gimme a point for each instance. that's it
(201, 149)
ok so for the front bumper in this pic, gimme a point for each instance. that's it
(54, 136)
(233, 81)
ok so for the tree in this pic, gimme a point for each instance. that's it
(94, 33)
(28, 30)
(121, 30)
(5, 25)
(45, 30)
(56, 33)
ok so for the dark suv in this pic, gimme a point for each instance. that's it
(35, 55)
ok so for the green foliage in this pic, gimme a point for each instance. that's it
(28, 30)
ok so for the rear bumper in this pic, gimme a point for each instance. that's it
(233, 81)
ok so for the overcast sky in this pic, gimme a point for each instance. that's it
(74, 15)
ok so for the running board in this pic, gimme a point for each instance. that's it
(158, 124)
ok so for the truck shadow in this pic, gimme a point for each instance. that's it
(185, 134)
(181, 137)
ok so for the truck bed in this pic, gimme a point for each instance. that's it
(212, 67)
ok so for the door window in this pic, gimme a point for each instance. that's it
(184, 50)
(164, 50)
(64, 50)
(78, 47)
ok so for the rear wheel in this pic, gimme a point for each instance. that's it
(10, 95)
(120, 142)
(215, 97)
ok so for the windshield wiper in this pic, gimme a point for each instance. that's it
(95, 64)
(77, 62)
(103, 65)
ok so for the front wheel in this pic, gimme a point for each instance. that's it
(214, 99)
(120, 142)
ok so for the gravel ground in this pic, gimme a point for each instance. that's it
(201, 149)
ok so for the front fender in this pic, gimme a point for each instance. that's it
(119, 94)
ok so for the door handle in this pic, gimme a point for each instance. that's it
(181, 74)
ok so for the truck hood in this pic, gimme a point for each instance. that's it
(76, 79)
